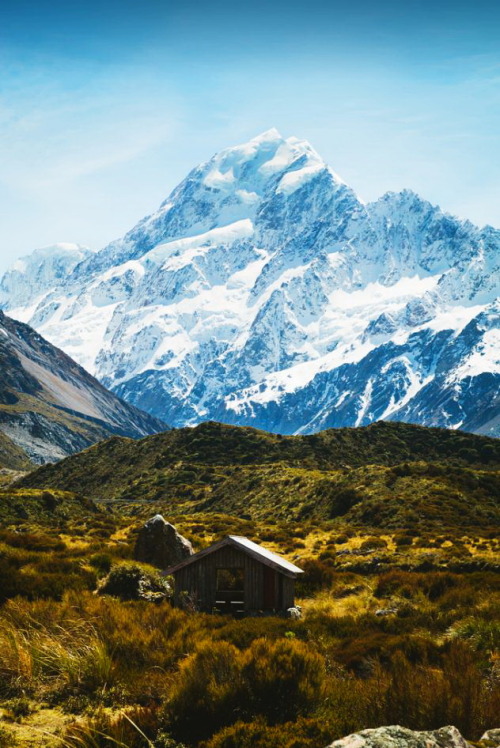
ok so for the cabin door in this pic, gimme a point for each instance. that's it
(269, 588)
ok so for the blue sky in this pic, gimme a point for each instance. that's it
(104, 107)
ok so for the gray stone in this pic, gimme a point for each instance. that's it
(492, 737)
(395, 736)
(158, 543)
(386, 611)
(294, 613)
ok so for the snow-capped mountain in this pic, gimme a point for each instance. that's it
(39, 272)
(264, 292)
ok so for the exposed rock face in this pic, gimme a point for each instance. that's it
(50, 407)
(159, 544)
(395, 736)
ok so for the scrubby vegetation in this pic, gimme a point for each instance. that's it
(400, 598)
(110, 671)
(383, 475)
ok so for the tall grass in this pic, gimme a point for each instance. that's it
(339, 670)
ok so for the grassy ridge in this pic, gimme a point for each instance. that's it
(42, 506)
(383, 475)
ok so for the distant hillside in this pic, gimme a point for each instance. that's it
(42, 507)
(390, 474)
(50, 407)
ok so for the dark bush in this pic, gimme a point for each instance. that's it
(284, 678)
(317, 575)
(373, 543)
(31, 541)
(208, 686)
(102, 562)
(302, 733)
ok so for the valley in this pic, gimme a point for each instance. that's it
(399, 598)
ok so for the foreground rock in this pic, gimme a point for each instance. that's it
(160, 545)
(395, 736)
(492, 738)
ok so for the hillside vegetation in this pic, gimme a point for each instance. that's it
(383, 475)
(395, 528)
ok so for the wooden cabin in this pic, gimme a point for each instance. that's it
(235, 576)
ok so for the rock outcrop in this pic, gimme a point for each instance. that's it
(492, 738)
(160, 545)
(395, 736)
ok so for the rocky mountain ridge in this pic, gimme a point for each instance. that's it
(264, 292)
(50, 407)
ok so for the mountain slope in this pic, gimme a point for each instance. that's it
(12, 457)
(387, 474)
(49, 406)
(264, 292)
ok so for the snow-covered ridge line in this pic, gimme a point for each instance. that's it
(264, 291)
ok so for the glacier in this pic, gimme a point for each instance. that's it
(264, 292)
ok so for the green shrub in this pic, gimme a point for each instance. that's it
(317, 575)
(408, 584)
(131, 581)
(208, 686)
(285, 678)
(373, 543)
(303, 733)
(32, 541)
(101, 562)
(403, 540)
(18, 707)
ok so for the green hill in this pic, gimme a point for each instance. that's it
(383, 475)
(42, 507)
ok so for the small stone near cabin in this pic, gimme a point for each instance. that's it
(160, 545)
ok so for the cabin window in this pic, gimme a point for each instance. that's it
(229, 580)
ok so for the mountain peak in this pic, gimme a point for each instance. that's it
(262, 291)
(267, 136)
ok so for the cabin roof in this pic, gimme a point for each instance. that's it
(265, 556)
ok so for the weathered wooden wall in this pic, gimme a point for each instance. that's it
(199, 580)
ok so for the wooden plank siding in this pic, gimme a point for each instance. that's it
(199, 580)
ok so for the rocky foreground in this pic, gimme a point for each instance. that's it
(395, 736)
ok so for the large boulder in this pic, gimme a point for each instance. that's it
(159, 544)
(395, 736)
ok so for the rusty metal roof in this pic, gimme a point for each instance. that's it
(261, 554)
